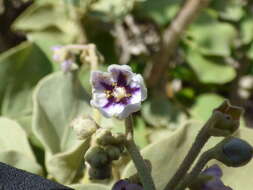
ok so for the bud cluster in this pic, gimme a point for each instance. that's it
(107, 148)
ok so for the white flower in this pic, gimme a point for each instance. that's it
(118, 92)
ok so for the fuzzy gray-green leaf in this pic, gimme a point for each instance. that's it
(58, 99)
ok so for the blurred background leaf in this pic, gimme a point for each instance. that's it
(58, 99)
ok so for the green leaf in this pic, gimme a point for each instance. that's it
(161, 11)
(58, 99)
(212, 37)
(174, 147)
(250, 52)
(113, 9)
(230, 9)
(47, 19)
(205, 103)
(207, 69)
(160, 112)
(46, 40)
(15, 148)
(89, 187)
(246, 30)
(37, 17)
(20, 69)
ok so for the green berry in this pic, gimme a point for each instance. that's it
(113, 152)
(97, 157)
(100, 173)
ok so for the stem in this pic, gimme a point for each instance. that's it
(143, 171)
(129, 128)
(171, 38)
(198, 144)
(205, 157)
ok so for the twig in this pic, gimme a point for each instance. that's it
(123, 42)
(171, 37)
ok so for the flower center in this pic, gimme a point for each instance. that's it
(119, 93)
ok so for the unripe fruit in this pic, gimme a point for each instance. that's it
(113, 152)
(100, 173)
(97, 157)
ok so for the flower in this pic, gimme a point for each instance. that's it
(215, 182)
(118, 92)
(67, 59)
(126, 185)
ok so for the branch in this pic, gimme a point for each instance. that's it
(123, 43)
(171, 38)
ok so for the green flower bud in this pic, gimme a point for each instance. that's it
(237, 152)
(104, 137)
(100, 173)
(84, 127)
(233, 152)
(113, 152)
(225, 120)
(119, 138)
(97, 157)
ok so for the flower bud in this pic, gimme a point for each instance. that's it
(119, 138)
(113, 152)
(225, 120)
(101, 173)
(238, 152)
(84, 127)
(104, 137)
(97, 157)
(233, 152)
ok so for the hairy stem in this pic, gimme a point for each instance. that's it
(142, 169)
(198, 144)
(205, 157)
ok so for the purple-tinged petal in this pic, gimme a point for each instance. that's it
(138, 82)
(214, 171)
(121, 74)
(215, 183)
(120, 185)
(101, 80)
(111, 110)
(110, 102)
(99, 99)
(133, 187)
(129, 109)
(126, 185)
